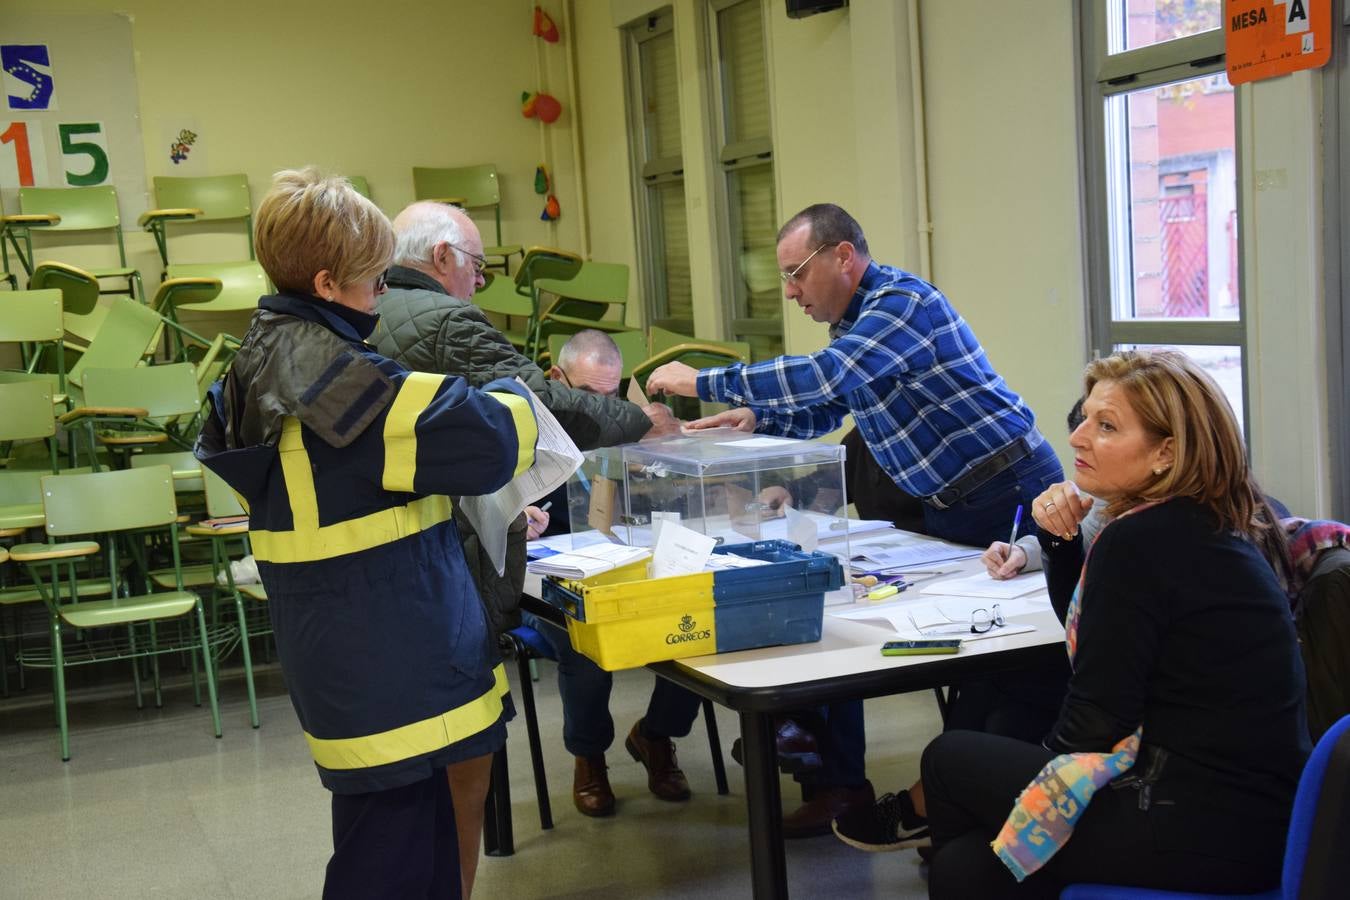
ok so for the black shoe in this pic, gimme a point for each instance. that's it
(889, 824)
(796, 747)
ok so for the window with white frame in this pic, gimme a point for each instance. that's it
(655, 135)
(746, 196)
(1160, 136)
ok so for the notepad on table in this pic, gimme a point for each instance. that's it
(589, 561)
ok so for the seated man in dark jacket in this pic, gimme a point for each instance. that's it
(428, 324)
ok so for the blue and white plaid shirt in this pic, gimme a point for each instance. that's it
(904, 362)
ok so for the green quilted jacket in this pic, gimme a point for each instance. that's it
(427, 330)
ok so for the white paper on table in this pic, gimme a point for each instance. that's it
(982, 585)
(680, 551)
(905, 632)
(589, 561)
(959, 609)
(555, 459)
(719, 561)
(896, 550)
(757, 443)
(658, 518)
(801, 530)
(566, 543)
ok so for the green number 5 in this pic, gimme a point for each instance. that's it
(98, 172)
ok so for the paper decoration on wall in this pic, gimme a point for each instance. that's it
(182, 145)
(543, 106)
(544, 27)
(551, 209)
(29, 82)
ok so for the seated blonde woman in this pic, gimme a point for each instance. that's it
(1178, 748)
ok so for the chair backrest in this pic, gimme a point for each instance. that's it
(1319, 826)
(219, 197)
(28, 411)
(545, 262)
(31, 316)
(221, 500)
(126, 335)
(359, 183)
(594, 282)
(80, 208)
(82, 314)
(475, 187)
(696, 352)
(160, 390)
(186, 470)
(21, 487)
(183, 290)
(99, 502)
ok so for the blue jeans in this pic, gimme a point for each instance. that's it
(981, 517)
(588, 728)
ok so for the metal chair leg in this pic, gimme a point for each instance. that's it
(498, 839)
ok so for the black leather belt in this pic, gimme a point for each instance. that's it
(985, 470)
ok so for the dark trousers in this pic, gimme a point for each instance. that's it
(588, 728)
(395, 843)
(971, 782)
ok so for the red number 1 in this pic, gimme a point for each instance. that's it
(17, 134)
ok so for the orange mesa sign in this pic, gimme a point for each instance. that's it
(1265, 38)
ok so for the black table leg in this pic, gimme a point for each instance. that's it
(768, 860)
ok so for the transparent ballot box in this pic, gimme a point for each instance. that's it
(731, 485)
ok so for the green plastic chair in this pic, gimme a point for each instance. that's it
(513, 297)
(82, 314)
(579, 302)
(11, 229)
(632, 347)
(133, 623)
(669, 346)
(223, 506)
(211, 198)
(471, 187)
(241, 284)
(361, 186)
(81, 209)
(135, 407)
(33, 320)
(28, 416)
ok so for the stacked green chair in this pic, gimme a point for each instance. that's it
(579, 302)
(669, 346)
(28, 416)
(34, 321)
(513, 298)
(89, 209)
(473, 188)
(205, 199)
(137, 622)
(136, 407)
(82, 314)
(11, 229)
(223, 529)
(241, 284)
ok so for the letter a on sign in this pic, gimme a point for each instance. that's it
(1266, 38)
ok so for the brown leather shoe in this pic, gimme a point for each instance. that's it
(591, 793)
(813, 817)
(664, 777)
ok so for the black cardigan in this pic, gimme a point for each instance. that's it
(1185, 630)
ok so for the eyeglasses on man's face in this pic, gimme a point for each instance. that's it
(479, 260)
(791, 277)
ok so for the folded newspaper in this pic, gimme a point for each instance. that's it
(555, 459)
(588, 561)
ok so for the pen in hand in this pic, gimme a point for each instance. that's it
(1017, 523)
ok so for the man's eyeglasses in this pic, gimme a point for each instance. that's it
(982, 621)
(479, 261)
(583, 387)
(791, 277)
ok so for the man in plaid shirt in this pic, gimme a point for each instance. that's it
(935, 415)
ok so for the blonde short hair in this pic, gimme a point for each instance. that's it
(1175, 398)
(309, 222)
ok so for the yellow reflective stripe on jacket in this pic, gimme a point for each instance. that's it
(310, 542)
(415, 739)
(400, 435)
(527, 431)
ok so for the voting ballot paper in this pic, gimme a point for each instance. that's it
(555, 459)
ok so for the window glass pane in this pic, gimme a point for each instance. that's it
(661, 95)
(1141, 23)
(1224, 365)
(668, 202)
(1172, 196)
(752, 194)
(741, 41)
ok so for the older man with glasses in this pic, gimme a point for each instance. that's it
(935, 415)
(429, 324)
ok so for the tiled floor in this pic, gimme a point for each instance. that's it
(151, 804)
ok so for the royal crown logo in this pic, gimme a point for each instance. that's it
(687, 624)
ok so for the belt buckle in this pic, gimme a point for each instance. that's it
(935, 501)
